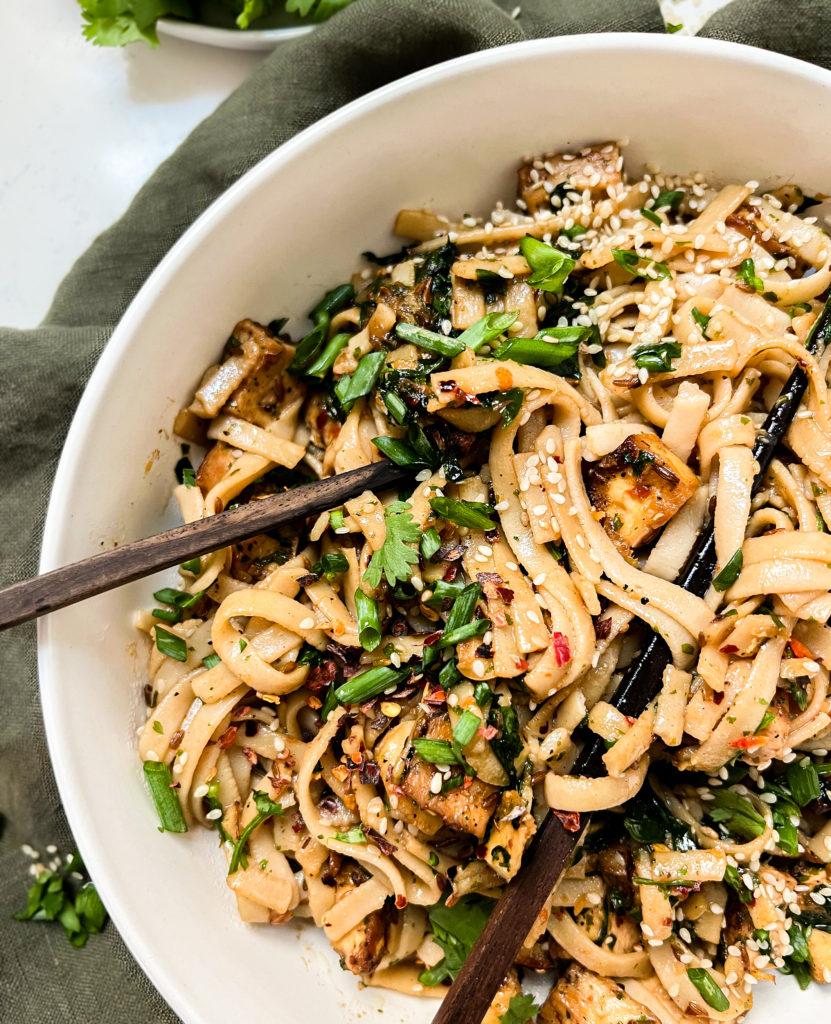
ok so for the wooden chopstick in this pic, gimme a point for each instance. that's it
(553, 847)
(40, 595)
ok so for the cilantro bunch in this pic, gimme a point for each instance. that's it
(62, 896)
(118, 22)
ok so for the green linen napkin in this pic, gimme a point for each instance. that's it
(42, 979)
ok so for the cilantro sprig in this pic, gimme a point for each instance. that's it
(64, 897)
(395, 558)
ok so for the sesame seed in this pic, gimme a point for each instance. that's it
(307, 623)
(435, 783)
(200, 792)
(214, 815)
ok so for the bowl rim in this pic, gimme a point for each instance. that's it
(231, 38)
(163, 975)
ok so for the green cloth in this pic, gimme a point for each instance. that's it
(42, 979)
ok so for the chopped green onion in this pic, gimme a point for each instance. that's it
(549, 355)
(321, 316)
(355, 836)
(459, 615)
(466, 632)
(474, 514)
(399, 452)
(430, 543)
(266, 808)
(326, 360)
(730, 573)
(701, 319)
(483, 695)
(803, 781)
(747, 274)
(336, 519)
(486, 330)
(710, 992)
(160, 782)
(657, 358)
(171, 645)
(669, 200)
(550, 267)
(395, 406)
(166, 614)
(435, 751)
(432, 341)
(443, 591)
(329, 704)
(736, 813)
(211, 661)
(650, 215)
(369, 620)
(331, 566)
(362, 381)
(672, 29)
(193, 565)
(640, 266)
(466, 728)
(370, 683)
(449, 675)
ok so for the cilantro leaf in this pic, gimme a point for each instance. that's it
(316, 10)
(253, 9)
(549, 266)
(62, 896)
(396, 556)
(118, 22)
(521, 1010)
(456, 930)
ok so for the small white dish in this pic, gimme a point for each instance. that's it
(449, 137)
(262, 39)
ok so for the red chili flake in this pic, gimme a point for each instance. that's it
(522, 664)
(176, 739)
(491, 536)
(467, 783)
(602, 628)
(506, 594)
(747, 742)
(384, 845)
(400, 902)
(447, 385)
(297, 824)
(314, 702)
(322, 675)
(250, 756)
(799, 649)
(487, 732)
(432, 638)
(451, 572)
(718, 697)
(630, 719)
(228, 737)
(488, 577)
(562, 651)
(728, 649)
(437, 696)
(682, 891)
(570, 819)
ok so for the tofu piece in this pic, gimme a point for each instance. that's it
(259, 398)
(363, 947)
(582, 997)
(216, 464)
(512, 830)
(509, 988)
(596, 169)
(467, 808)
(638, 488)
(819, 946)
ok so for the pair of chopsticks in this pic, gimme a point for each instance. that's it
(553, 847)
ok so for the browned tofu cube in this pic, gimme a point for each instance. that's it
(467, 809)
(216, 464)
(638, 488)
(583, 997)
(362, 948)
(596, 169)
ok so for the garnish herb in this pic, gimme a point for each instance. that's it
(736, 813)
(355, 836)
(451, 637)
(326, 360)
(444, 591)
(266, 808)
(368, 684)
(211, 661)
(486, 330)
(435, 751)
(193, 565)
(369, 620)
(640, 266)
(394, 560)
(399, 452)
(474, 514)
(710, 992)
(657, 358)
(730, 573)
(549, 266)
(160, 783)
(521, 1010)
(803, 781)
(362, 381)
(56, 896)
(701, 319)
(456, 930)
(171, 644)
(429, 544)
(648, 822)
(459, 615)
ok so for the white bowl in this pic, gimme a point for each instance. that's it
(231, 38)
(450, 138)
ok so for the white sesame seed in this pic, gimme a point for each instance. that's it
(435, 783)
(307, 623)
(200, 791)
(214, 815)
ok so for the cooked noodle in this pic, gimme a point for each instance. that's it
(376, 708)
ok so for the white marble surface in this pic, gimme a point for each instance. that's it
(84, 127)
